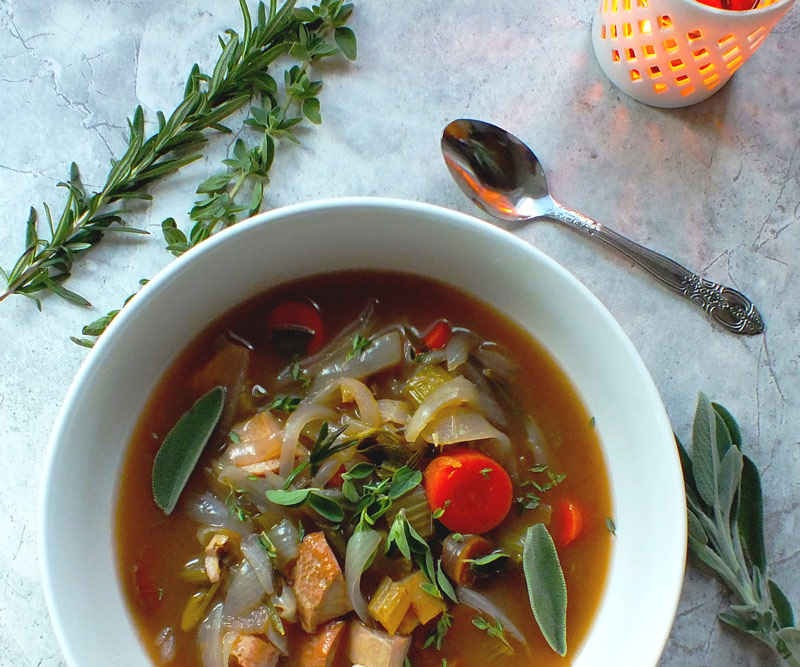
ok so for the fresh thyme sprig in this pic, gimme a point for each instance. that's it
(239, 74)
(726, 529)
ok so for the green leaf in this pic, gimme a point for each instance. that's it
(791, 639)
(730, 423)
(403, 481)
(547, 589)
(750, 516)
(444, 582)
(182, 447)
(346, 41)
(705, 454)
(360, 470)
(325, 506)
(31, 237)
(782, 605)
(730, 474)
(67, 295)
(696, 530)
(311, 110)
(291, 498)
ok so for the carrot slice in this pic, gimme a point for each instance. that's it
(472, 490)
(566, 522)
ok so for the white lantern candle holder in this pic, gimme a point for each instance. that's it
(672, 53)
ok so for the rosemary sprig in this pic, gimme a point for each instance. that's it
(240, 73)
(726, 529)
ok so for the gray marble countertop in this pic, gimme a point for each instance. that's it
(716, 186)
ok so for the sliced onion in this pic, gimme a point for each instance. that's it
(328, 469)
(480, 602)
(361, 549)
(394, 412)
(488, 399)
(166, 644)
(228, 640)
(536, 442)
(286, 604)
(286, 540)
(351, 389)
(305, 413)
(254, 488)
(252, 622)
(458, 424)
(257, 556)
(383, 352)
(260, 438)
(244, 593)
(458, 349)
(278, 640)
(458, 391)
(210, 510)
(209, 638)
(492, 357)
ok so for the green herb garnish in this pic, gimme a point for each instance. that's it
(285, 403)
(234, 503)
(322, 504)
(494, 630)
(403, 481)
(324, 447)
(486, 472)
(726, 529)
(612, 527)
(360, 343)
(182, 447)
(547, 590)
(437, 635)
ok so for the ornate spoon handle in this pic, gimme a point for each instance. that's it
(732, 309)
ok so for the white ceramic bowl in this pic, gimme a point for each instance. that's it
(103, 406)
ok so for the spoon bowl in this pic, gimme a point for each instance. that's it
(503, 176)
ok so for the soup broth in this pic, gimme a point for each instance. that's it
(550, 455)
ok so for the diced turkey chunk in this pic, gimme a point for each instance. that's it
(375, 648)
(318, 583)
(249, 651)
(213, 551)
(319, 649)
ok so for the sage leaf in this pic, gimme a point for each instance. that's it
(724, 442)
(696, 530)
(705, 454)
(733, 428)
(735, 621)
(547, 589)
(791, 639)
(782, 605)
(182, 447)
(730, 474)
(750, 516)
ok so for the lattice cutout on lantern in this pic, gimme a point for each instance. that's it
(686, 59)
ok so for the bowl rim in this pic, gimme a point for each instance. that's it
(57, 607)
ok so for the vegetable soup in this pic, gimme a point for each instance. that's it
(363, 468)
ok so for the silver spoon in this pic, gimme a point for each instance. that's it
(502, 175)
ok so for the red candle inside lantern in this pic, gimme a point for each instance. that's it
(733, 5)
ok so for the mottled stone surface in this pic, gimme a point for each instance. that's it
(716, 186)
